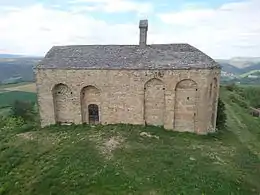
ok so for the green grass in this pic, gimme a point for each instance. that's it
(5, 111)
(116, 159)
(252, 94)
(7, 98)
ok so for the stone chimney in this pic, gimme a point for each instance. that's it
(143, 25)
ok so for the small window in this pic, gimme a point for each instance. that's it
(188, 98)
(93, 114)
(164, 88)
(70, 92)
(196, 89)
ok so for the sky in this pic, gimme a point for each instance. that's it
(221, 28)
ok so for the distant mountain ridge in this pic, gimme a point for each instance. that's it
(16, 56)
(19, 66)
(241, 62)
(13, 68)
(226, 67)
(239, 65)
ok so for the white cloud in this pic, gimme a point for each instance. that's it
(230, 30)
(34, 30)
(9, 8)
(111, 6)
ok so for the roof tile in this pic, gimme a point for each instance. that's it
(156, 56)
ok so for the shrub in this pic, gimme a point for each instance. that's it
(221, 115)
(11, 123)
(252, 94)
(231, 87)
(237, 99)
(23, 109)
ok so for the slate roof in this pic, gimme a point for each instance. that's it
(156, 56)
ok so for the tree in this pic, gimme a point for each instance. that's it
(23, 109)
(221, 115)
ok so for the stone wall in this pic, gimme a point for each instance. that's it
(154, 102)
(186, 105)
(133, 96)
(212, 98)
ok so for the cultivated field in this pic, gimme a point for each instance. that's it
(12, 92)
(7, 98)
(30, 87)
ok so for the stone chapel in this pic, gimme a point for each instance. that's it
(171, 85)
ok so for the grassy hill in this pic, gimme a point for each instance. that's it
(17, 67)
(249, 73)
(128, 159)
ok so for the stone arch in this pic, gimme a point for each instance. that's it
(214, 101)
(61, 99)
(90, 95)
(154, 102)
(185, 110)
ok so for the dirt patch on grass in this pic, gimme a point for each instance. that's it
(106, 146)
(113, 143)
(146, 134)
(110, 145)
(26, 136)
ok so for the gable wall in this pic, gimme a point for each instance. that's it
(122, 92)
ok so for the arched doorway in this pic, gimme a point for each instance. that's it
(61, 100)
(90, 104)
(93, 114)
(154, 102)
(214, 102)
(185, 106)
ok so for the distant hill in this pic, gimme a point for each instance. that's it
(226, 67)
(19, 67)
(239, 65)
(252, 72)
(241, 62)
(13, 67)
(9, 56)
(253, 66)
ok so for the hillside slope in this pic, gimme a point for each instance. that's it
(17, 67)
(128, 159)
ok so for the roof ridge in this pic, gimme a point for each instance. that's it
(56, 46)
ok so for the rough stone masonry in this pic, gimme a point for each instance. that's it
(171, 85)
